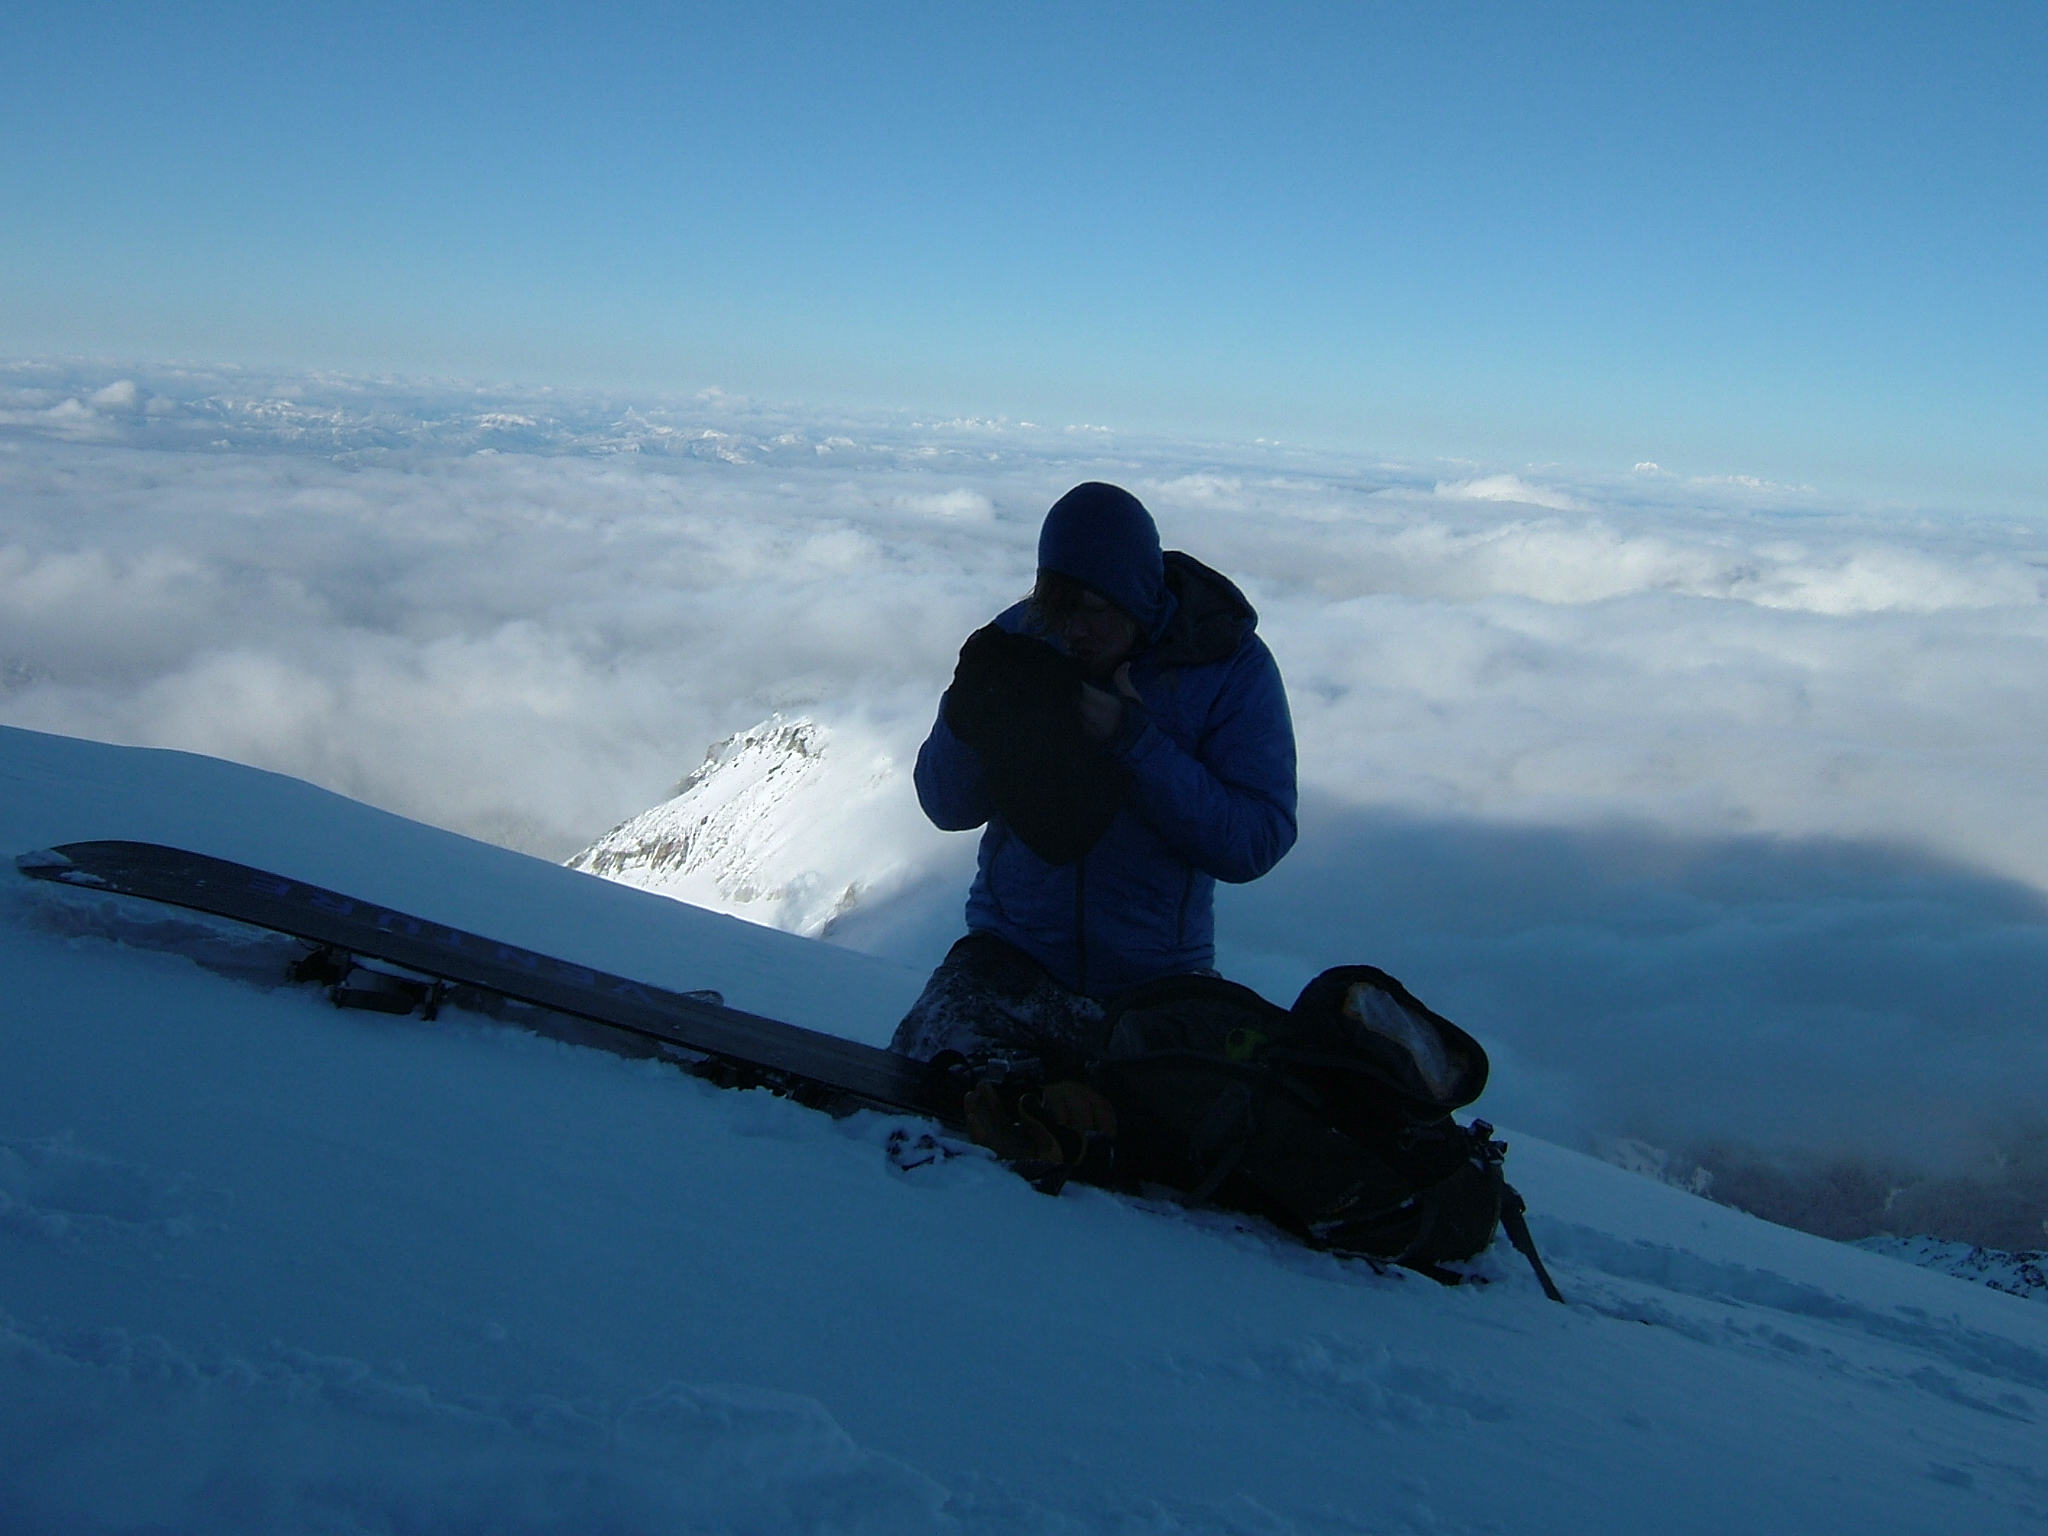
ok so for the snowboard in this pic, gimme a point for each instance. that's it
(726, 1045)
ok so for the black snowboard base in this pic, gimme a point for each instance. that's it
(442, 966)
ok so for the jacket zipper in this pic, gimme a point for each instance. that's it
(994, 853)
(1081, 921)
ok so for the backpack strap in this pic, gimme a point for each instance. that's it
(1516, 1224)
(1513, 1209)
(1226, 1165)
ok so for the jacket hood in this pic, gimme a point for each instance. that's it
(1211, 619)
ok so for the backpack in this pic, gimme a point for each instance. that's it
(1332, 1118)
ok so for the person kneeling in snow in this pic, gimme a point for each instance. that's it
(1124, 736)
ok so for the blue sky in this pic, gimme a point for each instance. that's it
(1794, 240)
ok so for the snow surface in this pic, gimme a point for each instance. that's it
(266, 1266)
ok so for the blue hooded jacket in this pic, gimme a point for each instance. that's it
(1208, 755)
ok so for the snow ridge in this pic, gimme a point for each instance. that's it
(766, 828)
(2018, 1274)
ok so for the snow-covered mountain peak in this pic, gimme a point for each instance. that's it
(775, 746)
(790, 824)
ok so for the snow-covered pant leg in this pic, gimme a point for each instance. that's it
(989, 999)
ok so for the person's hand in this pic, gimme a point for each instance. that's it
(1101, 710)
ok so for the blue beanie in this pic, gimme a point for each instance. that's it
(1102, 535)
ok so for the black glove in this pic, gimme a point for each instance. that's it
(1007, 687)
(1016, 701)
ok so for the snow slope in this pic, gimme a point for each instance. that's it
(265, 1266)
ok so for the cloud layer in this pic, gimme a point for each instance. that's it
(525, 615)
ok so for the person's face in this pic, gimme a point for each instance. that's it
(1098, 634)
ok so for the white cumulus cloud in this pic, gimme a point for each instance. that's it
(1509, 488)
